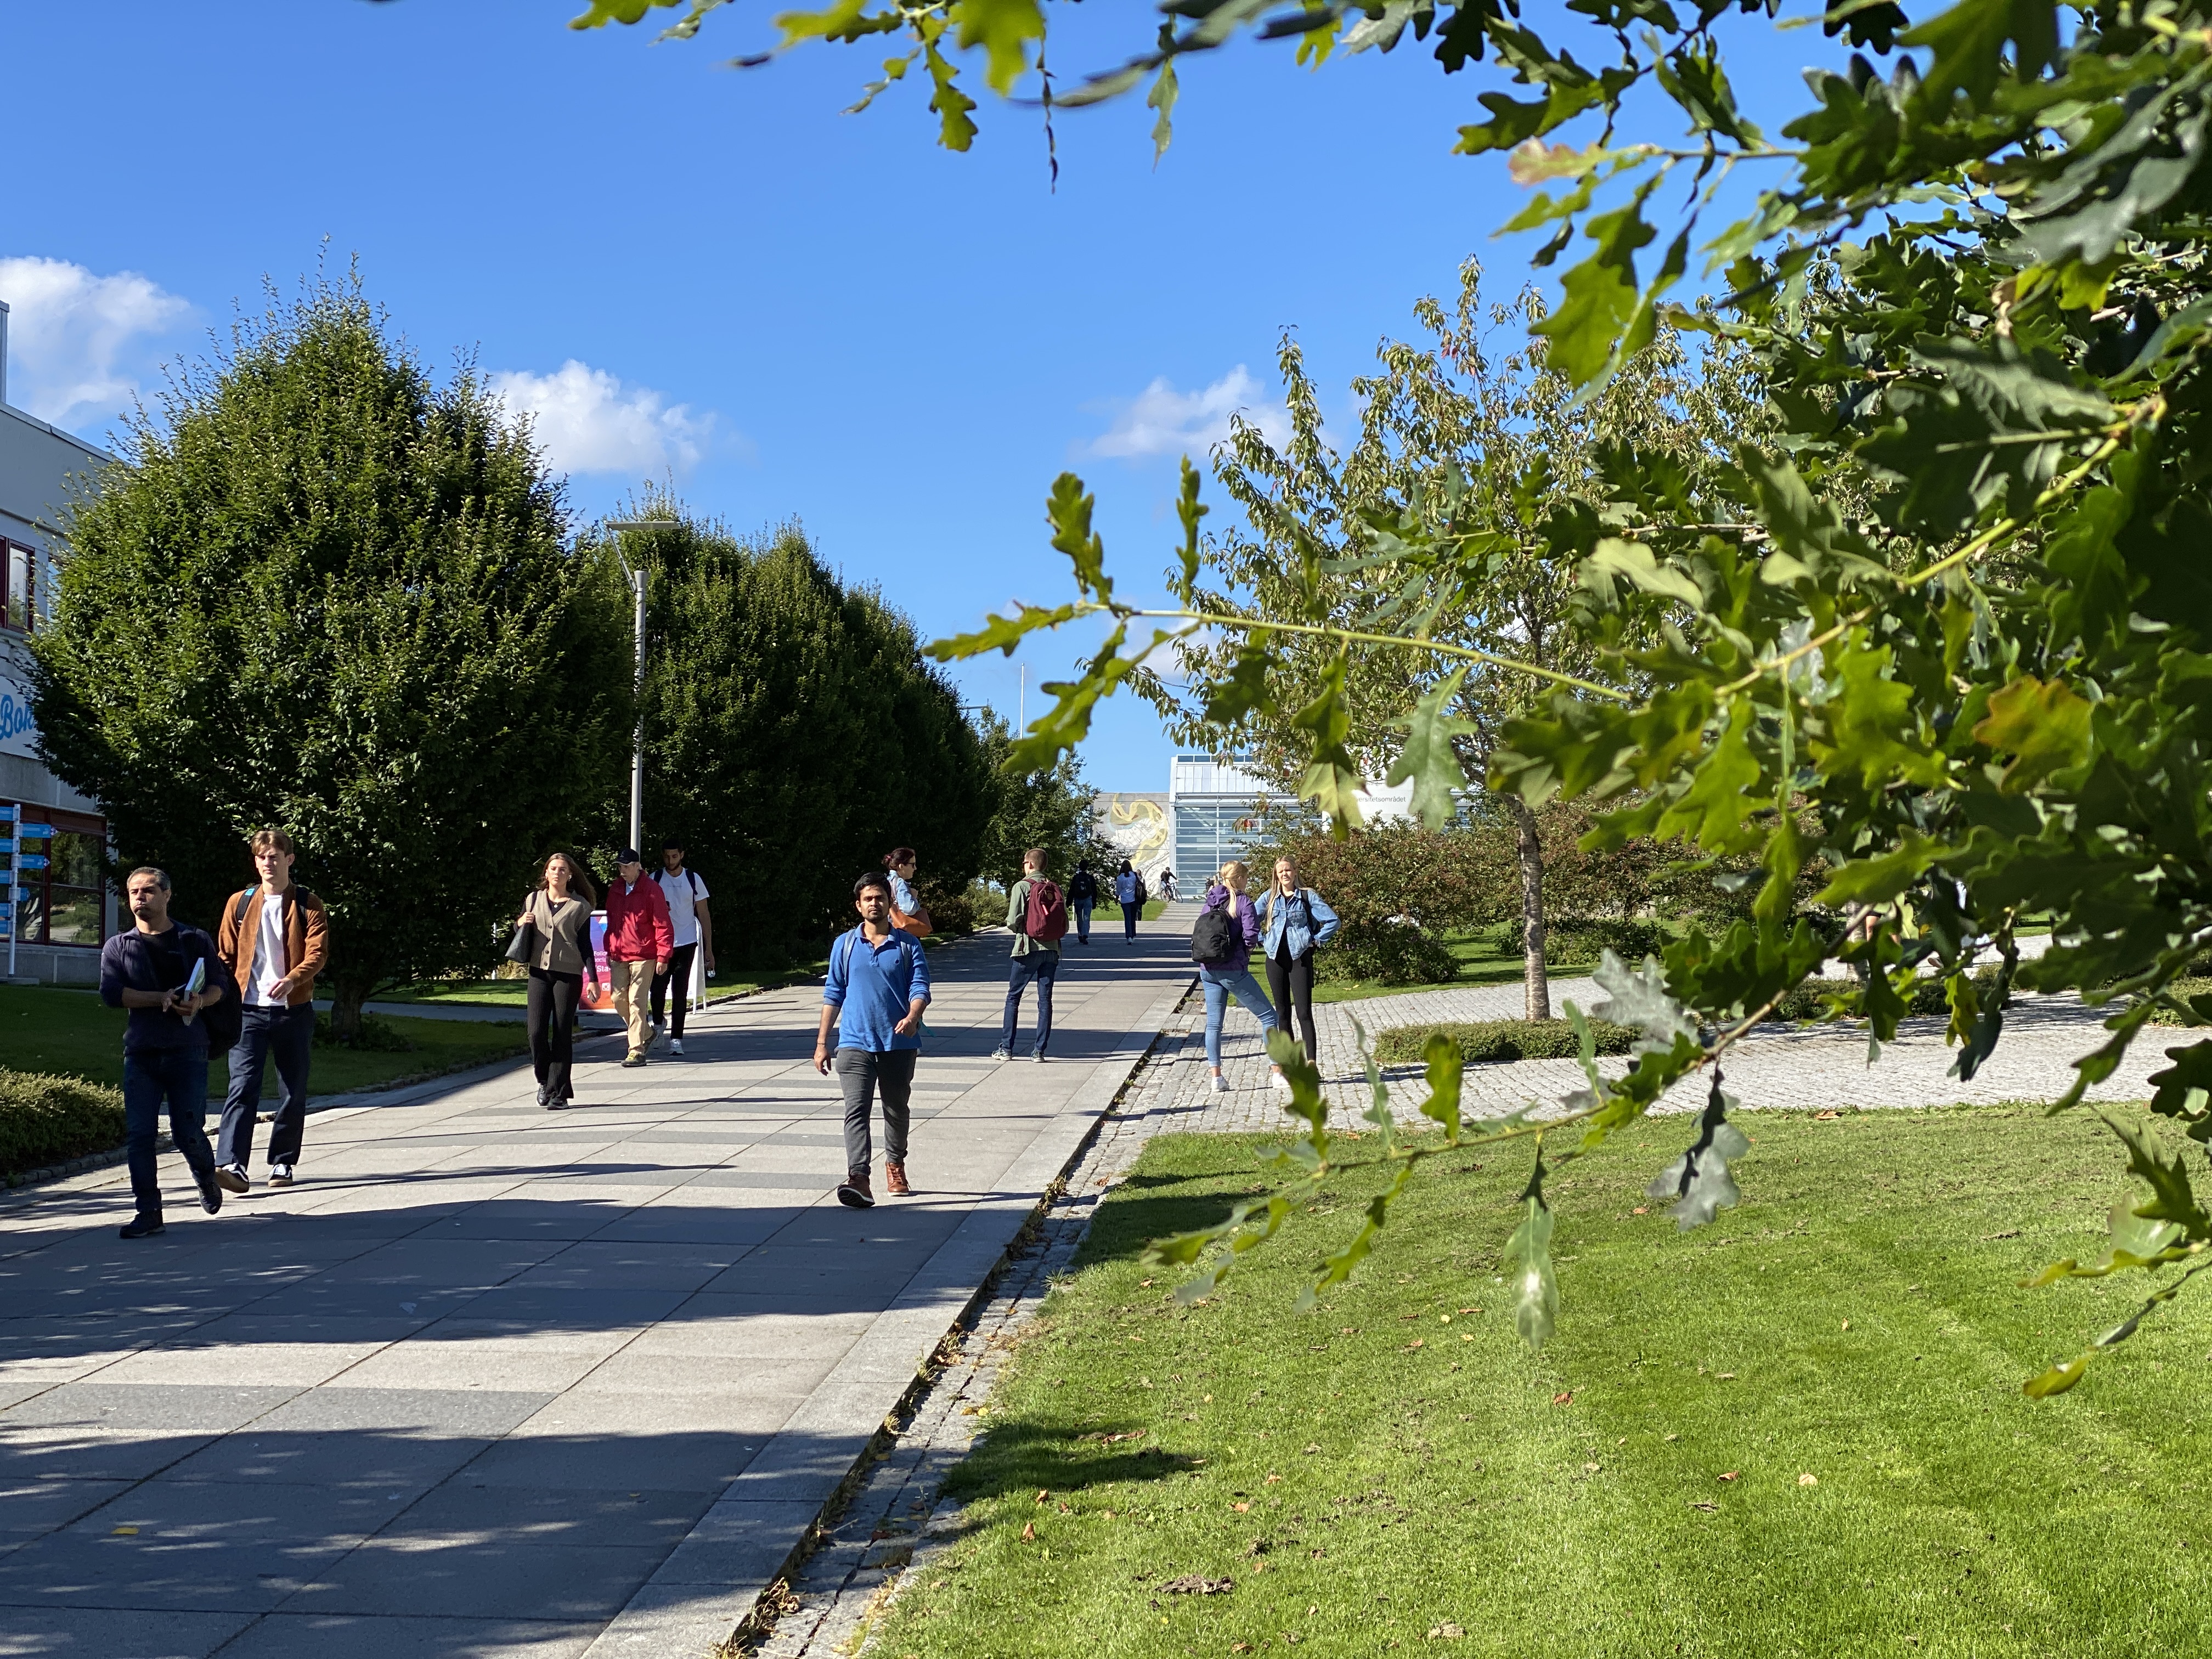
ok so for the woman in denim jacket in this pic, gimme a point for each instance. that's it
(1297, 922)
(1233, 976)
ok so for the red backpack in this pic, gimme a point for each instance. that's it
(1045, 917)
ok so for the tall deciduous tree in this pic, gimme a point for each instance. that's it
(794, 734)
(325, 592)
(1050, 808)
(1460, 442)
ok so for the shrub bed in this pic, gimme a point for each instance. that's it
(48, 1120)
(1482, 1041)
(1394, 953)
(1807, 1001)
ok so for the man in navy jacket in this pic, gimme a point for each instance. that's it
(165, 1048)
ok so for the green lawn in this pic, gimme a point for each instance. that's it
(51, 1028)
(1398, 1469)
(514, 992)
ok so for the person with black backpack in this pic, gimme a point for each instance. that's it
(167, 974)
(1221, 945)
(1036, 915)
(1082, 899)
(1295, 921)
(275, 936)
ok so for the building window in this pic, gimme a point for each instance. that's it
(18, 585)
(65, 901)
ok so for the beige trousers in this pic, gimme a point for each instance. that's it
(630, 983)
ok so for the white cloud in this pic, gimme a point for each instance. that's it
(72, 336)
(588, 421)
(1162, 421)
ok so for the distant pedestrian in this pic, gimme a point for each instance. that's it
(638, 941)
(150, 969)
(877, 989)
(693, 930)
(1295, 922)
(1036, 915)
(560, 907)
(1222, 944)
(1128, 890)
(1082, 899)
(1167, 885)
(276, 939)
(906, 912)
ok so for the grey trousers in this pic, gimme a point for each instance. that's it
(863, 1072)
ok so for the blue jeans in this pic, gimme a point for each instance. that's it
(1083, 923)
(151, 1077)
(1131, 914)
(1219, 984)
(1040, 966)
(287, 1036)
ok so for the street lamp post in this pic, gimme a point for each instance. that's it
(636, 578)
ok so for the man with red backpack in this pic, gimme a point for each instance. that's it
(1036, 915)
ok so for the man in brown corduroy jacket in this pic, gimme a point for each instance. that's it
(276, 939)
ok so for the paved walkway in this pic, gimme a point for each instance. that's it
(1783, 1066)
(493, 1381)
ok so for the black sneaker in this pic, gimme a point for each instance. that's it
(853, 1195)
(210, 1194)
(142, 1226)
(232, 1178)
(280, 1174)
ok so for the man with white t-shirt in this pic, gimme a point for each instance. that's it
(275, 938)
(694, 936)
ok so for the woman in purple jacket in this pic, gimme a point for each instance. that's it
(1233, 976)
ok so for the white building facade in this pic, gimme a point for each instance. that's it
(61, 910)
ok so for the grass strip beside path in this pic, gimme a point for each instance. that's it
(1399, 1469)
(58, 1030)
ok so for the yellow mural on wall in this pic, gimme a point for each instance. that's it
(1140, 829)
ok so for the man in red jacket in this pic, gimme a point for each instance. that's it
(639, 941)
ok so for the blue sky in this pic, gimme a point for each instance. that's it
(713, 274)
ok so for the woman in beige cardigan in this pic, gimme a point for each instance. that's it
(560, 907)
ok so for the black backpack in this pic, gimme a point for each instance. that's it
(224, 1020)
(1217, 937)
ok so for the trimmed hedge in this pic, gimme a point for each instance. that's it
(1806, 1002)
(49, 1120)
(1483, 1041)
(1388, 952)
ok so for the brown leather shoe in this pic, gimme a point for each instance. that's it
(853, 1195)
(894, 1179)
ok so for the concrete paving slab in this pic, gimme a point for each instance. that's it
(92, 1632)
(340, 1635)
(558, 1381)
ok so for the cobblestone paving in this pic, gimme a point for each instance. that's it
(1787, 1066)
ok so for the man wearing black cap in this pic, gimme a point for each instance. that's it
(638, 941)
(693, 933)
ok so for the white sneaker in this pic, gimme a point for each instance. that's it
(1002, 1053)
(1282, 1082)
(675, 1045)
(1220, 1084)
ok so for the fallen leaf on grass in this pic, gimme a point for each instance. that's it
(1733, 1475)
(1042, 1496)
(1565, 1397)
(1240, 1647)
(2014, 1233)
(1709, 1508)
(1808, 1479)
(1825, 1117)
(1727, 1376)
(1641, 1209)
(1417, 1342)
(1144, 1284)
(1111, 1439)
(1241, 1508)
(1311, 1448)
(1672, 1438)
(1446, 1634)
(1847, 1324)
(1271, 1480)
(1029, 1533)
(1592, 1468)
(1195, 1584)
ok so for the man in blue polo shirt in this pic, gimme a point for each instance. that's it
(877, 987)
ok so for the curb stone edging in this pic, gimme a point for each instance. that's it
(711, 1592)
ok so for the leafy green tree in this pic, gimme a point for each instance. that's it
(794, 734)
(1483, 451)
(1049, 808)
(325, 593)
(1983, 691)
